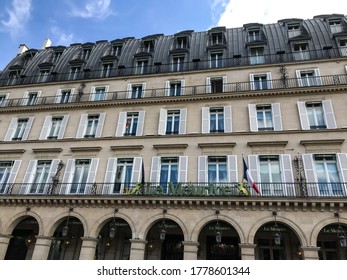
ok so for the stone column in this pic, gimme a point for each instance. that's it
(4, 241)
(137, 250)
(190, 250)
(247, 251)
(42, 246)
(310, 252)
(88, 248)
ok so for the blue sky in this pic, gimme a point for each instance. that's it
(64, 22)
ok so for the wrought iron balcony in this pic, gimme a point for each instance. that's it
(15, 78)
(236, 87)
(237, 189)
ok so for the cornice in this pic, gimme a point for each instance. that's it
(236, 203)
(184, 98)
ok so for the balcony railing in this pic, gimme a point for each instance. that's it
(236, 87)
(157, 67)
(190, 189)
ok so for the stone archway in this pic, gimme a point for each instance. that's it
(23, 239)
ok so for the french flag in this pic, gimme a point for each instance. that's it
(248, 177)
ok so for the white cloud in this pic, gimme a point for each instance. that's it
(239, 12)
(62, 38)
(18, 16)
(92, 9)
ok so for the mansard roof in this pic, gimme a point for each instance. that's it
(274, 38)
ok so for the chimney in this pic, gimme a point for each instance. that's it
(47, 43)
(22, 49)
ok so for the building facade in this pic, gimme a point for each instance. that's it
(138, 148)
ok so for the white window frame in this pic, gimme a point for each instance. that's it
(174, 82)
(69, 173)
(111, 170)
(329, 117)
(163, 121)
(94, 97)
(12, 175)
(121, 124)
(178, 63)
(255, 56)
(26, 97)
(205, 122)
(82, 128)
(216, 59)
(13, 127)
(286, 173)
(314, 80)
(268, 80)
(47, 125)
(59, 94)
(301, 53)
(275, 112)
(3, 98)
(130, 90)
(208, 83)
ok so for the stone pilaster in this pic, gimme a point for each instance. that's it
(137, 250)
(42, 246)
(247, 251)
(190, 250)
(88, 248)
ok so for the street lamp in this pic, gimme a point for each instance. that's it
(112, 230)
(65, 229)
(341, 236)
(276, 234)
(218, 231)
(162, 233)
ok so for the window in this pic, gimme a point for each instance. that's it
(31, 98)
(217, 39)
(216, 119)
(122, 174)
(343, 46)
(86, 53)
(106, 70)
(254, 35)
(261, 81)
(316, 115)
(56, 57)
(64, 96)
(54, 127)
(169, 171)
(99, 93)
(335, 25)
(217, 169)
(273, 174)
(14, 77)
(148, 46)
(136, 90)
(141, 67)
(216, 60)
(40, 177)
(265, 117)
(75, 73)
(91, 125)
(8, 173)
(294, 30)
(216, 84)
(325, 174)
(257, 55)
(172, 122)
(44, 75)
(3, 98)
(79, 176)
(130, 123)
(116, 50)
(19, 129)
(301, 51)
(307, 78)
(177, 63)
(174, 88)
(181, 42)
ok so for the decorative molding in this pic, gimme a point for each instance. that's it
(85, 149)
(268, 143)
(47, 150)
(217, 145)
(13, 151)
(127, 147)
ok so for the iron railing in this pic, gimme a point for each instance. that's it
(296, 189)
(236, 87)
(156, 68)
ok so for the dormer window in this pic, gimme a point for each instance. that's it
(343, 46)
(44, 75)
(116, 50)
(181, 43)
(148, 46)
(301, 51)
(56, 57)
(293, 30)
(86, 53)
(217, 39)
(106, 70)
(254, 35)
(14, 76)
(335, 25)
